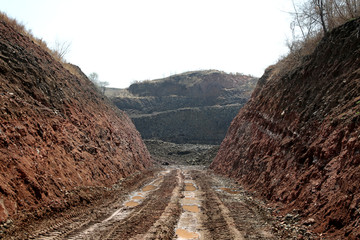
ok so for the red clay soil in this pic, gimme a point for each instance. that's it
(297, 141)
(57, 131)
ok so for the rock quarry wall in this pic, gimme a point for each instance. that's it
(297, 141)
(192, 107)
(57, 132)
(188, 125)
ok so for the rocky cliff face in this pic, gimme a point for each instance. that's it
(193, 107)
(297, 141)
(57, 132)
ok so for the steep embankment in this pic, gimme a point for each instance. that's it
(297, 141)
(192, 107)
(57, 132)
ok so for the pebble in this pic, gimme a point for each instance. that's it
(309, 222)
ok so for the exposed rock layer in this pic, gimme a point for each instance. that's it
(297, 141)
(192, 107)
(57, 132)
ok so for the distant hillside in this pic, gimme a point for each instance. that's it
(192, 107)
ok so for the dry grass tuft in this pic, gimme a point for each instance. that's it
(297, 52)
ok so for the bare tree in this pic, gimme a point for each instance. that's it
(94, 77)
(61, 48)
(314, 17)
(101, 85)
(320, 9)
(310, 15)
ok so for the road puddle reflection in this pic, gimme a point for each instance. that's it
(190, 198)
(182, 233)
(230, 190)
(188, 225)
(137, 198)
(191, 208)
(131, 204)
(148, 188)
(189, 187)
(188, 201)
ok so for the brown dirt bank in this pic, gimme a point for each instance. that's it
(297, 141)
(57, 132)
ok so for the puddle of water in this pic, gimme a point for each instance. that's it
(189, 193)
(148, 188)
(137, 197)
(182, 233)
(230, 190)
(120, 213)
(159, 180)
(190, 187)
(191, 208)
(131, 204)
(190, 198)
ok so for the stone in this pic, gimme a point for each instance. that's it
(309, 221)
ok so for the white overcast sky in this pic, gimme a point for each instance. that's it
(128, 40)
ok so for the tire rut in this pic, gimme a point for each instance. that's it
(164, 227)
(189, 223)
(79, 225)
(217, 222)
(178, 203)
(146, 214)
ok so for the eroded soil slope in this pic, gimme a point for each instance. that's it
(57, 132)
(297, 141)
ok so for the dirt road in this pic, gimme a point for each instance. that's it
(173, 203)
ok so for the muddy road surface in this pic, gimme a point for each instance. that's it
(172, 203)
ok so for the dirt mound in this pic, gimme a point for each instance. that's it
(57, 132)
(181, 154)
(192, 107)
(297, 140)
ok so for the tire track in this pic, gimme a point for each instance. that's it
(246, 216)
(181, 203)
(165, 225)
(189, 223)
(146, 214)
(78, 225)
(218, 224)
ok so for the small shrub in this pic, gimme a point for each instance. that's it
(312, 19)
